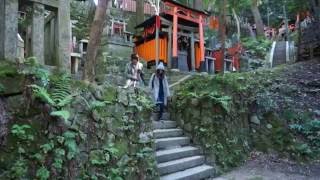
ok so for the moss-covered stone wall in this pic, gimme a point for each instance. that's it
(230, 115)
(65, 129)
(216, 122)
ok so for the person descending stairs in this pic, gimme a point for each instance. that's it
(176, 158)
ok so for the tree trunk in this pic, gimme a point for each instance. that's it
(222, 30)
(257, 17)
(238, 23)
(139, 11)
(315, 9)
(4, 121)
(299, 37)
(197, 4)
(94, 40)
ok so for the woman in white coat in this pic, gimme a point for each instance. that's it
(160, 88)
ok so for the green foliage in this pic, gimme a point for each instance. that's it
(65, 115)
(21, 132)
(61, 89)
(257, 47)
(43, 173)
(58, 95)
(18, 169)
(42, 94)
(228, 150)
(215, 111)
(213, 97)
(33, 68)
(97, 105)
(47, 147)
(70, 144)
(308, 129)
(98, 157)
(59, 154)
(2, 88)
(110, 142)
(80, 12)
(144, 102)
(7, 69)
(218, 112)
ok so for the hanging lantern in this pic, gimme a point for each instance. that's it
(213, 23)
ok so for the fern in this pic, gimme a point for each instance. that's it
(42, 94)
(61, 89)
(65, 115)
(98, 104)
(223, 101)
(1, 88)
(58, 96)
(67, 100)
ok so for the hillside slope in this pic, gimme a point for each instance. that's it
(271, 110)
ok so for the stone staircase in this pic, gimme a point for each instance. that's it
(176, 158)
(279, 56)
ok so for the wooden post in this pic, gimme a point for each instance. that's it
(169, 47)
(193, 59)
(201, 43)
(112, 24)
(157, 39)
(175, 38)
(175, 33)
(311, 51)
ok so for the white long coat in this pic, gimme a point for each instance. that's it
(155, 89)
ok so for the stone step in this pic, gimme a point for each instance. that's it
(180, 164)
(195, 173)
(165, 116)
(165, 143)
(164, 124)
(177, 153)
(163, 133)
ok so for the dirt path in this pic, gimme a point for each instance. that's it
(297, 88)
(271, 167)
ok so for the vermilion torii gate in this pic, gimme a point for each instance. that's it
(181, 37)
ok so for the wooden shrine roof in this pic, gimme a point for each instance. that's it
(189, 18)
(186, 7)
(152, 20)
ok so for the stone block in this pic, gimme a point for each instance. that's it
(75, 62)
(12, 85)
(37, 39)
(254, 119)
(2, 25)
(9, 29)
(188, 127)
(64, 35)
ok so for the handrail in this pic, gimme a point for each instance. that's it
(287, 52)
(180, 81)
(272, 53)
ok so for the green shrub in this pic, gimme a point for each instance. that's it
(257, 47)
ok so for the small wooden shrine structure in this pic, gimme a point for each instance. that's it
(181, 37)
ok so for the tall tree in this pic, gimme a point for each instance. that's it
(257, 17)
(139, 11)
(222, 29)
(94, 40)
